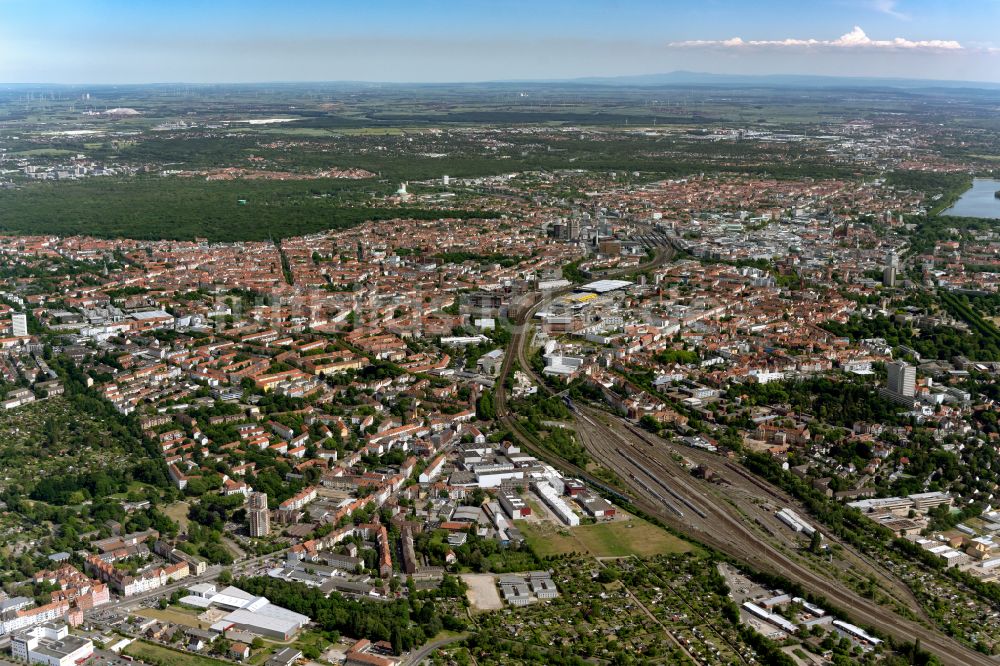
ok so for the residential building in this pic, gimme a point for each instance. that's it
(19, 324)
(258, 515)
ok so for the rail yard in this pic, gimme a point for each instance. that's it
(728, 515)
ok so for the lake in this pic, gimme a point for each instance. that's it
(979, 201)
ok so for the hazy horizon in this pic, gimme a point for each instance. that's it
(620, 79)
(431, 41)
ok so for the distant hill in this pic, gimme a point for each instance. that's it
(686, 78)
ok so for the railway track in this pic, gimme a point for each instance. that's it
(735, 538)
(896, 589)
(656, 478)
(713, 523)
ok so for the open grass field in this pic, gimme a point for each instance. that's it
(620, 538)
(311, 639)
(178, 512)
(183, 616)
(44, 152)
(163, 656)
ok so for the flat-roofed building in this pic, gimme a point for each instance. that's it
(604, 286)
(594, 506)
(50, 644)
(925, 501)
(248, 612)
(542, 585)
(513, 505)
(515, 590)
(284, 657)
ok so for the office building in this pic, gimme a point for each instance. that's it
(50, 644)
(891, 269)
(573, 229)
(902, 379)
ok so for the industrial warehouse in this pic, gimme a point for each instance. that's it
(245, 612)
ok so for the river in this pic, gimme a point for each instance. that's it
(979, 201)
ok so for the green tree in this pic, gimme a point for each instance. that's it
(484, 407)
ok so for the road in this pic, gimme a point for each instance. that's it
(665, 490)
(426, 651)
(212, 573)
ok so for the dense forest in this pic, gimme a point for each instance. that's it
(185, 209)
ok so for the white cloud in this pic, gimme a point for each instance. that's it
(888, 7)
(855, 39)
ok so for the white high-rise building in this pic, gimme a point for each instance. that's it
(891, 270)
(902, 379)
(19, 324)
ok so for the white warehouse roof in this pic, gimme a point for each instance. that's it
(603, 286)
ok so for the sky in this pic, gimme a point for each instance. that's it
(196, 41)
